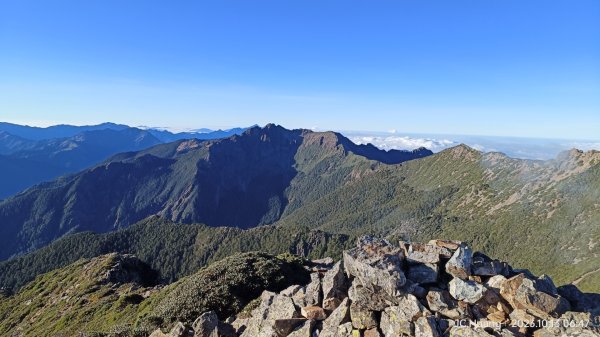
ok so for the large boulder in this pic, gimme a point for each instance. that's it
(275, 316)
(334, 285)
(521, 292)
(399, 320)
(376, 265)
(426, 327)
(460, 263)
(441, 302)
(313, 290)
(361, 317)
(338, 317)
(425, 273)
(208, 325)
(468, 291)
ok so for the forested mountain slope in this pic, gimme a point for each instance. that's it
(242, 181)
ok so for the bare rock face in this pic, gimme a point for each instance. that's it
(361, 317)
(313, 290)
(338, 317)
(460, 263)
(275, 316)
(521, 293)
(334, 286)
(208, 325)
(304, 330)
(314, 313)
(447, 291)
(440, 301)
(468, 291)
(426, 327)
(376, 265)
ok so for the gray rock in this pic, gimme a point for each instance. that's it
(417, 253)
(426, 327)
(274, 315)
(423, 273)
(304, 330)
(338, 317)
(376, 265)
(440, 301)
(484, 266)
(313, 290)
(344, 330)
(521, 293)
(208, 325)
(361, 317)
(467, 331)
(468, 291)
(398, 320)
(334, 286)
(459, 264)
(373, 300)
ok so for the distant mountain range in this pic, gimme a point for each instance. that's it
(242, 181)
(271, 187)
(31, 155)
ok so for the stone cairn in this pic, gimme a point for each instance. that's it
(441, 288)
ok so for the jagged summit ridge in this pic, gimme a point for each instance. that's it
(439, 288)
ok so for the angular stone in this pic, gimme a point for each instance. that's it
(495, 283)
(521, 293)
(362, 318)
(417, 253)
(468, 331)
(544, 283)
(570, 324)
(484, 266)
(313, 290)
(580, 301)
(452, 245)
(272, 316)
(283, 327)
(345, 330)
(373, 300)
(440, 301)
(498, 317)
(297, 294)
(423, 273)
(371, 333)
(313, 313)
(180, 330)
(459, 264)
(334, 286)
(520, 317)
(376, 265)
(208, 325)
(398, 320)
(338, 317)
(304, 330)
(467, 291)
(426, 327)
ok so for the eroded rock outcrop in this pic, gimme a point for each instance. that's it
(439, 288)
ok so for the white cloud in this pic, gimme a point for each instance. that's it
(403, 142)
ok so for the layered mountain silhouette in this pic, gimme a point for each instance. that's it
(30, 155)
(242, 181)
(308, 193)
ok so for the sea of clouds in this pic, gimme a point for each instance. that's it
(526, 148)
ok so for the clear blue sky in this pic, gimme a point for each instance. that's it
(510, 67)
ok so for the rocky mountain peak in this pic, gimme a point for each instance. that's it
(439, 288)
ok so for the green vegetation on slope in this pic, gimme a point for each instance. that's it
(82, 298)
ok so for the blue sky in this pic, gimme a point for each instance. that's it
(508, 68)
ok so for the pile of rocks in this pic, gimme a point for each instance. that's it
(440, 288)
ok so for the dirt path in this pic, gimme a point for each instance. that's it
(580, 278)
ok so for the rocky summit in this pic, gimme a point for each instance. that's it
(439, 288)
